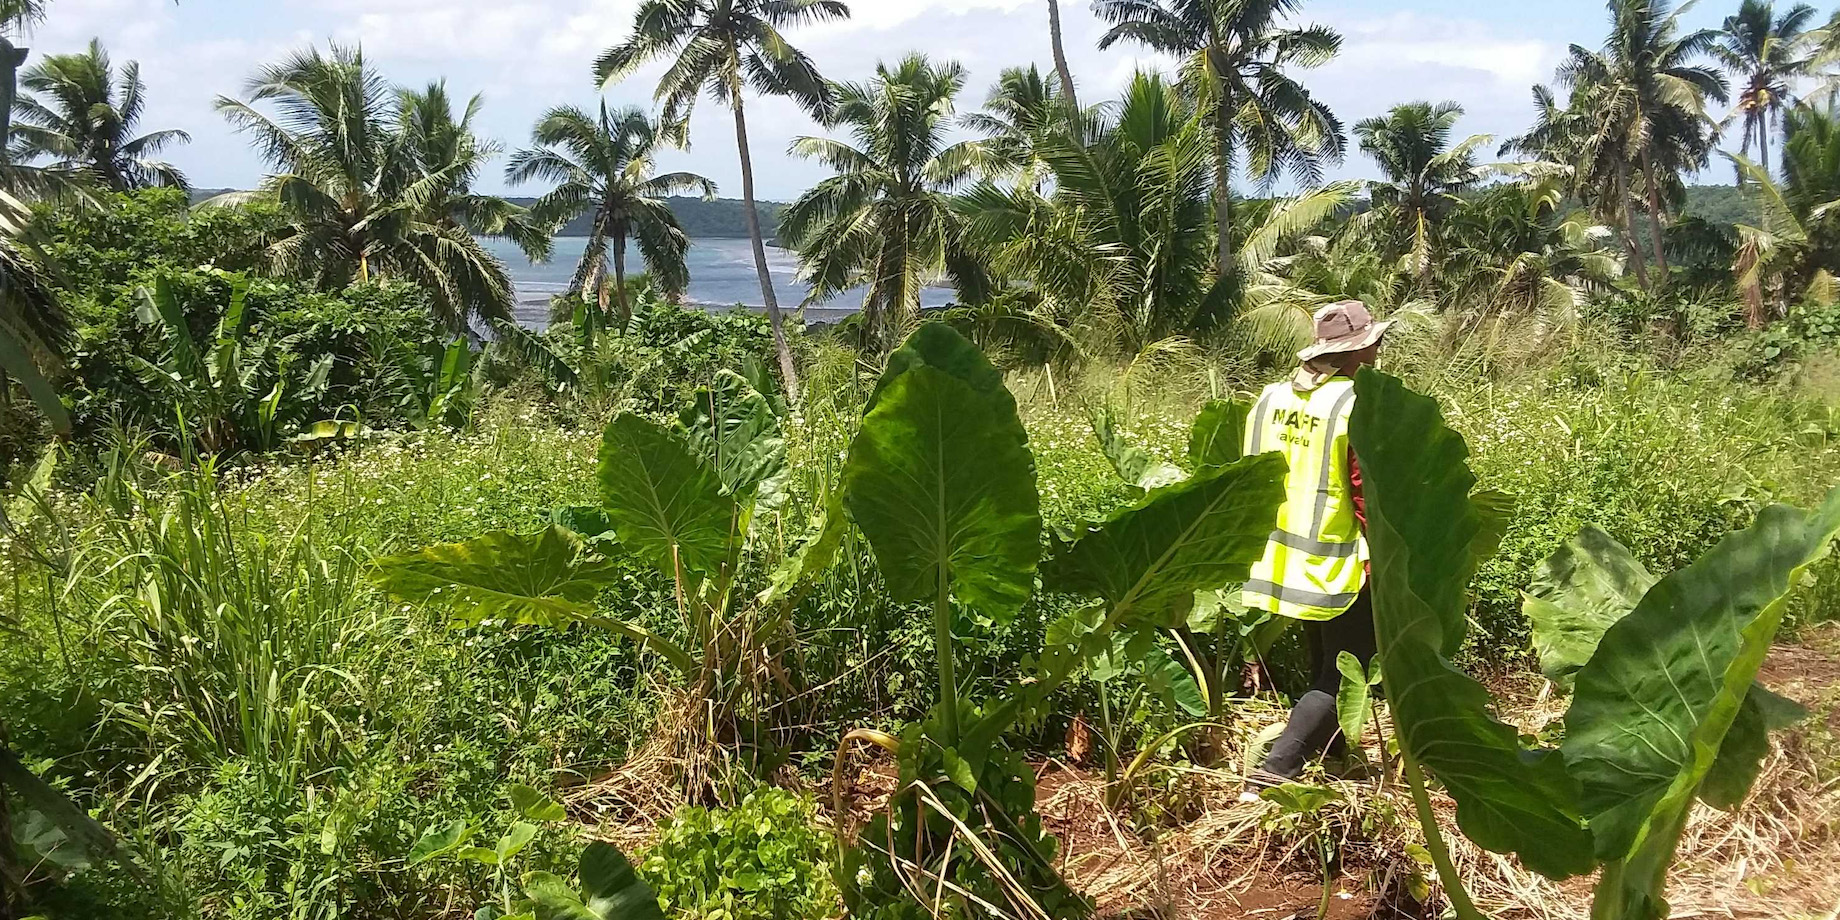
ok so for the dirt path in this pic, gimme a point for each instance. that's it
(1773, 858)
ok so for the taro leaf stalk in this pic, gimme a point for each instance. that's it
(1665, 709)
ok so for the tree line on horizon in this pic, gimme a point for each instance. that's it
(1102, 228)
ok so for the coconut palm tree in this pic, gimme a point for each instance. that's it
(1643, 98)
(1516, 247)
(360, 197)
(1020, 108)
(1237, 56)
(1121, 248)
(604, 165)
(725, 48)
(1765, 54)
(82, 115)
(15, 17)
(446, 150)
(1570, 134)
(1797, 239)
(885, 221)
(1424, 173)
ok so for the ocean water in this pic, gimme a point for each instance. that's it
(721, 277)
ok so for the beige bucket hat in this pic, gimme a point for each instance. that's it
(1342, 327)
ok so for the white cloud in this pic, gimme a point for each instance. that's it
(527, 55)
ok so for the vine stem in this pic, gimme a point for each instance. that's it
(1434, 842)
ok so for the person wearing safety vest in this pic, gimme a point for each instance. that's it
(1315, 564)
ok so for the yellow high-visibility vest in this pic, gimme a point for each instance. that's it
(1314, 565)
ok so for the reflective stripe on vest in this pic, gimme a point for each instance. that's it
(1314, 563)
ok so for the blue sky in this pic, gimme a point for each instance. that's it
(527, 55)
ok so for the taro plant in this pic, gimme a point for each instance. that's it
(1664, 712)
(942, 484)
(609, 888)
(680, 499)
(454, 842)
(1215, 637)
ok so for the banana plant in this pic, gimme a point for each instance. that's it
(1665, 711)
(681, 499)
(439, 384)
(236, 392)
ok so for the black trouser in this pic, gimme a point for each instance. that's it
(1313, 728)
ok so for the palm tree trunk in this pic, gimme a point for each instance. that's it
(1655, 212)
(1627, 221)
(787, 369)
(1060, 56)
(1744, 149)
(1225, 261)
(619, 280)
(11, 59)
(1763, 142)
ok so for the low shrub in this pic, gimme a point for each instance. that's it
(760, 860)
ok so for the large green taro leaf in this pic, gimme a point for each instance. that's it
(543, 578)
(1422, 532)
(942, 348)
(667, 505)
(1741, 753)
(1653, 707)
(1148, 560)
(1218, 436)
(1588, 583)
(941, 482)
(734, 428)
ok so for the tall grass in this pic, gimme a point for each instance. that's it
(241, 639)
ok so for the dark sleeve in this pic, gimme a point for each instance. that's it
(1354, 489)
